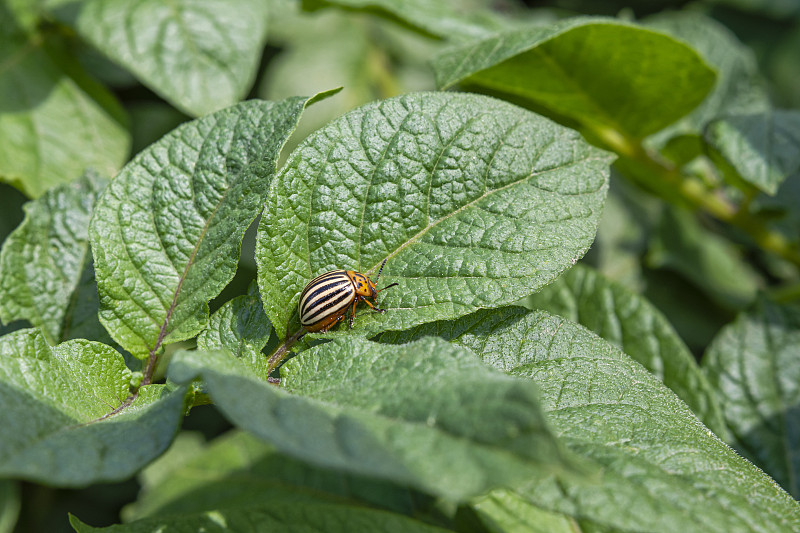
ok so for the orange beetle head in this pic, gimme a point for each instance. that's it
(364, 286)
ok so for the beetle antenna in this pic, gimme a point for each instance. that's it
(386, 287)
(381, 269)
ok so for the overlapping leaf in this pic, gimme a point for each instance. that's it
(754, 364)
(167, 231)
(46, 276)
(52, 399)
(200, 56)
(427, 415)
(614, 78)
(475, 203)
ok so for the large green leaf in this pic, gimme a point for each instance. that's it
(54, 122)
(199, 56)
(53, 399)
(635, 326)
(166, 232)
(663, 471)
(764, 148)
(755, 365)
(475, 202)
(239, 470)
(46, 275)
(611, 77)
(428, 415)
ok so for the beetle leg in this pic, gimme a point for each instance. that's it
(381, 311)
(353, 312)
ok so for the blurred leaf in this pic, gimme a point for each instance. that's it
(739, 88)
(199, 56)
(475, 202)
(503, 511)
(54, 123)
(455, 20)
(709, 261)
(579, 69)
(166, 233)
(427, 415)
(152, 120)
(299, 517)
(53, 399)
(764, 149)
(635, 326)
(9, 505)
(754, 363)
(241, 326)
(779, 9)
(238, 470)
(46, 274)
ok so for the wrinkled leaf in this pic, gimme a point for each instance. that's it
(199, 56)
(475, 203)
(46, 276)
(611, 77)
(242, 327)
(764, 149)
(636, 327)
(166, 232)
(427, 415)
(238, 470)
(754, 363)
(54, 126)
(52, 399)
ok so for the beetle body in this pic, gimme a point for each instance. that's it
(326, 298)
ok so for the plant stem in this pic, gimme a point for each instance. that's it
(282, 351)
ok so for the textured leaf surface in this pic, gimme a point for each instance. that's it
(602, 73)
(51, 399)
(199, 56)
(167, 231)
(428, 415)
(662, 469)
(475, 202)
(242, 327)
(46, 276)
(266, 518)
(53, 127)
(755, 365)
(764, 148)
(238, 470)
(635, 326)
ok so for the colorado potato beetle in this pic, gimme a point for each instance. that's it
(326, 298)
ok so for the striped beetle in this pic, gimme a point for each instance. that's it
(326, 298)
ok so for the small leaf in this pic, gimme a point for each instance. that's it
(475, 202)
(754, 363)
(167, 231)
(636, 327)
(579, 69)
(52, 399)
(46, 276)
(503, 511)
(764, 148)
(242, 327)
(199, 56)
(428, 414)
(10, 503)
(266, 518)
(53, 126)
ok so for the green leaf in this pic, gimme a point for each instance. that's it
(739, 87)
(239, 470)
(444, 19)
(167, 230)
(662, 470)
(9, 505)
(611, 77)
(503, 511)
(636, 327)
(46, 275)
(475, 202)
(754, 363)
(242, 327)
(200, 57)
(764, 148)
(53, 400)
(427, 415)
(54, 122)
(266, 518)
